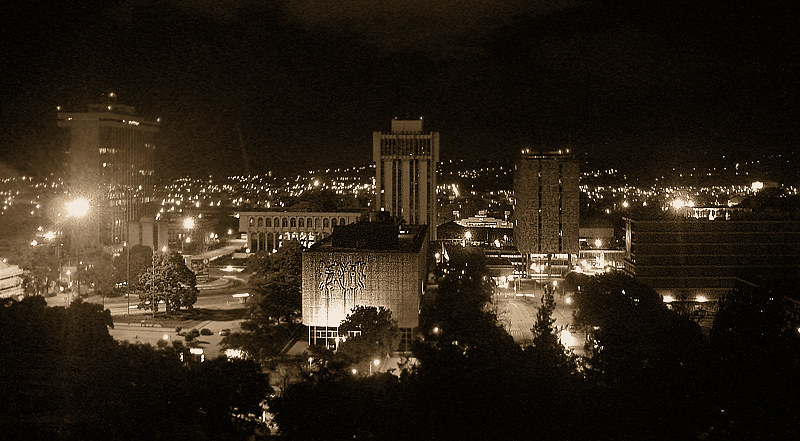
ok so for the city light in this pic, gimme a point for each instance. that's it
(77, 207)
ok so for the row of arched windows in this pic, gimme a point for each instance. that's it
(296, 222)
(273, 241)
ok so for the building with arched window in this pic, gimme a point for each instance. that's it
(266, 230)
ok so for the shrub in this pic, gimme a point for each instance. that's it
(191, 335)
(206, 331)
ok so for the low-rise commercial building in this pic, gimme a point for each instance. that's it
(266, 230)
(699, 259)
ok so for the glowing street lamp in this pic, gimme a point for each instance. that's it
(78, 207)
(188, 224)
(375, 363)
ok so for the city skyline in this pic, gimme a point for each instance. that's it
(305, 89)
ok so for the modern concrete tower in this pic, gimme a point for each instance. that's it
(110, 164)
(547, 208)
(405, 172)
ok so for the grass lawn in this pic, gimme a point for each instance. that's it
(189, 319)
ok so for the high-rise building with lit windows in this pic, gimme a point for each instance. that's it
(546, 210)
(110, 163)
(405, 172)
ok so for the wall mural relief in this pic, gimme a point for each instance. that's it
(347, 275)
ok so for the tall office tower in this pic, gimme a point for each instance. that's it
(405, 172)
(546, 209)
(110, 164)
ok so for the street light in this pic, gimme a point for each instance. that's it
(77, 208)
(188, 224)
(375, 363)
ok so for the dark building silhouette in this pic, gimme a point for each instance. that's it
(547, 208)
(699, 259)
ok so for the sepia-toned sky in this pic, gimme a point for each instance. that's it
(633, 83)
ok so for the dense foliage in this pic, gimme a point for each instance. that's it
(650, 373)
(65, 378)
(170, 281)
(275, 284)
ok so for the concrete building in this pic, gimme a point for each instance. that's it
(266, 230)
(148, 232)
(690, 259)
(547, 208)
(10, 281)
(364, 264)
(405, 173)
(109, 163)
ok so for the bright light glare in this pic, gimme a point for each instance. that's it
(188, 223)
(598, 243)
(77, 208)
(668, 299)
(758, 185)
(234, 353)
(376, 362)
(677, 204)
(50, 235)
(702, 299)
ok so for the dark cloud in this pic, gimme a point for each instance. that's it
(443, 28)
(307, 81)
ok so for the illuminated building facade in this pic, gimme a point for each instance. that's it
(546, 209)
(266, 230)
(405, 173)
(110, 163)
(364, 264)
(700, 259)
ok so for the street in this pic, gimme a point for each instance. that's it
(517, 309)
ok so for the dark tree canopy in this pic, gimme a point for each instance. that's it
(141, 258)
(378, 335)
(168, 280)
(275, 280)
(65, 378)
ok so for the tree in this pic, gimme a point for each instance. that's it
(370, 333)
(100, 274)
(645, 359)
(275, 282)
(754, 355)
(43, 269)
(546, 343)
(169, 280)
(141, 258)
(72, 381)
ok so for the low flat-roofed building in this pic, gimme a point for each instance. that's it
(364, 264)
(266, 230)
(686, 258)
(10, 280)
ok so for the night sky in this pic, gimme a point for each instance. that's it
(636, 83)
